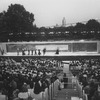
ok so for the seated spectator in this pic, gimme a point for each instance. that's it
(37, 87)
(96, 95)
(87, 89)
(15, 94)
(24, 94)
(3, 96)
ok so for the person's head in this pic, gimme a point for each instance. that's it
(91, 83)
(64, 74)
(24, 88)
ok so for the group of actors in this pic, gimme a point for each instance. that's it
(31, 51)
(25, 51)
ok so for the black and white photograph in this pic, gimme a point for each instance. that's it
(49, 49)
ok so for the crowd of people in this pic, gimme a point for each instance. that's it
(88, 73)
(28, 78)
(31, 52)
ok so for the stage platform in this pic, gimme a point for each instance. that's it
(61, 56)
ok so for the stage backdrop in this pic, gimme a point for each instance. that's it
(75, 46)
(50, 47)
(53, 48)
(84, 47)
(13, 47)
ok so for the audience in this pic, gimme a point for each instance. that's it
(96, 95)
(28, 78)
(88, 74)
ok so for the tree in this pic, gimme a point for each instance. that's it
(3, 27)
(79, 26)
(93, 24)
(18, 19)
(2, 21)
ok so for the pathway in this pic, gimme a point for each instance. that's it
(66, 94)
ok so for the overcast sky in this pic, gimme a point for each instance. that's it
(51, 12)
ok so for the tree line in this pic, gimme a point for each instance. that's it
(16, 24)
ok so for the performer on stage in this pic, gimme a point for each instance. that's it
(17, 51)
(32, 52)
(44, 51)
(57, 51)
(39, 53)
(23, 51)
(28, 51)
(2, 51)
(35, 52)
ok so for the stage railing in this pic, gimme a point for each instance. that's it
(51, 92)
(85, 97)
(81, 91)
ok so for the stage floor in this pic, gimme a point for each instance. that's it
(53, 54)
(62, 56)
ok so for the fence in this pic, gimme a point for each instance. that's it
(51, 92)
(81, 91)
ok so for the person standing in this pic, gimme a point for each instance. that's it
(32, 52)
(35, 52)
(17, 51)
(2, 51)
(57, 51)
(74, 80)
(39, 53)
(28, 51)
(23, 51)
(44, 51)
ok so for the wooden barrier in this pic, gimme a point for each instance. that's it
(79, 88)
(85, 96)
(55, 89)
(81, 92)
(51, 92)
(50, 98)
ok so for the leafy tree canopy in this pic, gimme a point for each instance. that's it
(93, 24)
(79, 25)
(17, 19)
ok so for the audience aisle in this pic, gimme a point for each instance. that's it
(67, 93)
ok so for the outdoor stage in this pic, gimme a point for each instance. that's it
(61, 56)
(68, 50)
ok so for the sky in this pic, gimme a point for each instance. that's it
(51, 12)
